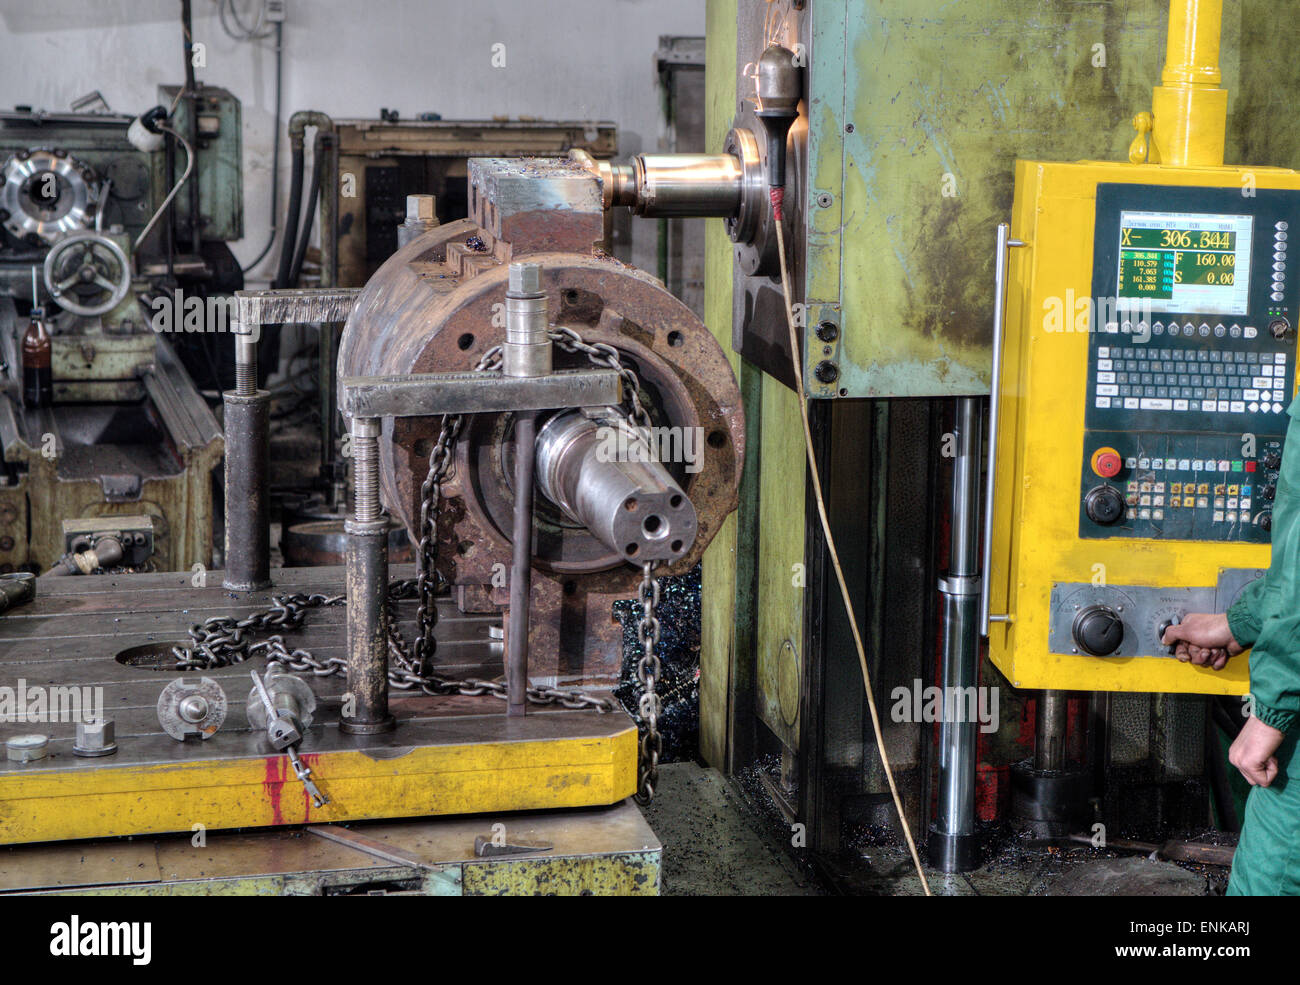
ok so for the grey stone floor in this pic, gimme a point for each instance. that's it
(716, 844)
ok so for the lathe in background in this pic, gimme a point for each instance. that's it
(128, 434)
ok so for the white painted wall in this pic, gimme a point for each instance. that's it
(573, 59)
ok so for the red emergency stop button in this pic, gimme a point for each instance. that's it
(1106, 462)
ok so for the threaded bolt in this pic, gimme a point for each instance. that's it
(365, 468)
(245, 365)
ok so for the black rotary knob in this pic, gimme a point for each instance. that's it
(1103, 504)
(1268, 493)
(1265, 521)
(1098, 630)
(1271, 460)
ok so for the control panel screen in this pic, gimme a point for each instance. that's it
(1192, 363)
(1174, 261)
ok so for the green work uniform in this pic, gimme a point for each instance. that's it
(1267, 618)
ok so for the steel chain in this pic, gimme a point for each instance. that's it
(224, 640)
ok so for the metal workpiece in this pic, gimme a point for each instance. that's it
(425, 394)
(672, 186)
(603, 473)
(16, 588)
(419, 344)
(192, 709)
(521, 564)
(527, 349)
(365, 705)
(952, 844)
(248, 518)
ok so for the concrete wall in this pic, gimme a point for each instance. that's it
(573, 59)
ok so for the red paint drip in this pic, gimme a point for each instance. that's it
(274, 784)
(777, 194)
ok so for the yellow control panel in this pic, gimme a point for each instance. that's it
(1147, 368)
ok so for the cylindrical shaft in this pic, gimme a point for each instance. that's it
(521, 564)
(952, 844)
(365, 705)
(1189, 107)
(527, 349)
(247, 424)
(684, 185)
(604, 474)
(1051, 732)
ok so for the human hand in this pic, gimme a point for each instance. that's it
(1203, 639)
(1252, 752)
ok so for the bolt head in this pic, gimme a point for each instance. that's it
(525, 278)
(420, 208)
(97, 737)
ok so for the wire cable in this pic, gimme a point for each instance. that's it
(795, 359)
(189, 167)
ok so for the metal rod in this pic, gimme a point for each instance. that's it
(247, 424)
(952, 843)
(526, 353)
(521, 564)
(995, 389)
(1050, 731)
(365, 706)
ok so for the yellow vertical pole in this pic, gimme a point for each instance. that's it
(1190, 106)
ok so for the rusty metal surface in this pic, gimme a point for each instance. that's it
(430, 309)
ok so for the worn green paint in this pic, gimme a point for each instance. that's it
(719, 625)
(934, 88)
(220, 164)
(781, 572)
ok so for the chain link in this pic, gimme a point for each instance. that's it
(224, 640)
(648, 669)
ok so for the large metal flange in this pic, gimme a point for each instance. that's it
(416, 315)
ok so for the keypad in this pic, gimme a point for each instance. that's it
(1140, 376)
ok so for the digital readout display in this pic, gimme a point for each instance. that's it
(1183, 262)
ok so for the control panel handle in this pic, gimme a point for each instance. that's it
(1005, 243)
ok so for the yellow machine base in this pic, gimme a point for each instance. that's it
(448, 755)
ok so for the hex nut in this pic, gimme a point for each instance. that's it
(96, 737)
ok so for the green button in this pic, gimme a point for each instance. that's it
(1236, 466)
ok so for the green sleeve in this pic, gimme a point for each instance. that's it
(1275, 656)
(1244, 614)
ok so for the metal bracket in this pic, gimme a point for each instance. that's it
(428, 394)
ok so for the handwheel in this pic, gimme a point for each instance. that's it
(87, 273)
